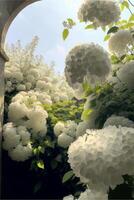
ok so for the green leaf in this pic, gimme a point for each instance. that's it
(126, 4)
(41, 149)
(40, 164)
(131, 18)
(67, 176)
(114, 29)
(90, 26)
(106, 37)
(65, 33)
(71, 22)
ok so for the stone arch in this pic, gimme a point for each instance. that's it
(9, 9)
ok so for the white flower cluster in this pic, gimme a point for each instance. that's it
(89, 195)
(100, 12)
(120, 41)
(87, 62)
(25, 72)
(66, 133)
(26, 109)
(17, 142)
(101, 157)
(126, 75)
(118, 121)
(82, 127)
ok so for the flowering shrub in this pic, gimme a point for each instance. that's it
(25, 71)
(108, 110)
(97, 131)
(31, 114)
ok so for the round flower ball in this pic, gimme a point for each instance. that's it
(118, 121)
(101, 157)
(87, 62)
(119, 42)
(99, 12)
(126, 75)
(59, 128)
(17, 141)
(65, 140)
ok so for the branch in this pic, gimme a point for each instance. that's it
(131, 3)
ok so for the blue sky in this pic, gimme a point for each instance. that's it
(44, 19)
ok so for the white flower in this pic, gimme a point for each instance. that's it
(18, 76)
(119, 42)
(28, 85)
(21, 153)
(21, 87)
(93, 195)
(25, 71)
(17, 111)
(66, 133)
(101, 157)
(81, 128)
(26, 109)
(37, 121)
(126, 75)
(100, 12)
(118, 121)
(87, 62)
(16, 140)
(65, 140)
(58, 128)
(70, 128)
(89, 195)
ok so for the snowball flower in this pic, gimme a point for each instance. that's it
(100, 12)
(21, 153)
(81, 128)
(126, 74)
(65, 140)
(25, 71)
(37, 121)
(87, 62)
(66, 133)
(118, 121)
(58, 128)
(17, 111)
(101, 157)
(119, 42)
(26, 109)
(16, 140)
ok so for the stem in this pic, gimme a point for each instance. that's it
(130, 11)
(131, 3)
